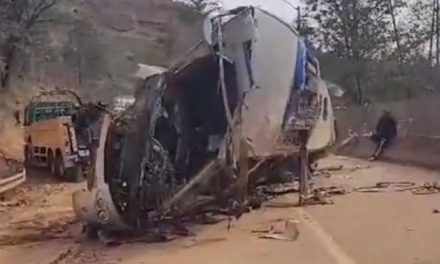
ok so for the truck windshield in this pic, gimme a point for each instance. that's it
(46, 111)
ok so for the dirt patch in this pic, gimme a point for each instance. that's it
(38, 230)
(38, 211)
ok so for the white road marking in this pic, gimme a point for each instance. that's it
(333, 248)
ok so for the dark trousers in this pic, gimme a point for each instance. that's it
(382, 143)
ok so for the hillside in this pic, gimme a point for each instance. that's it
(94, 47)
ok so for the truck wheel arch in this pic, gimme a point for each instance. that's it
(58, 153)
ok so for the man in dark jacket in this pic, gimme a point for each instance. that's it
(386, 131)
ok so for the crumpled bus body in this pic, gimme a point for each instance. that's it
(199, 133)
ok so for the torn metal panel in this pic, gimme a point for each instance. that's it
(273, 69)
(264, 51)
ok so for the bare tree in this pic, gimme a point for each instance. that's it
(437, 32)
(396, 33)
(17, 29)
(433, 21)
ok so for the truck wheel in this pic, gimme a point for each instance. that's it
(27, 156)
(52, 166)
(74, 174)
(59, 169)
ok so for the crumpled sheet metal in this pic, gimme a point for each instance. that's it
(272, 63)
(273, 70)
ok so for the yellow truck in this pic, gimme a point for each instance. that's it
(52, 136)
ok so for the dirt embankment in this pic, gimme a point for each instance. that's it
(11, 137)
(11, 140)
(10, 153)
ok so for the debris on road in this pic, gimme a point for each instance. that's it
(205, 241)
(322, 195)
(331, 171)
(332, 168)
(286, 230)
(427, 188)
(359, 167)
(16, 203)
(409, 228)
(280, 189)
(380, 187)
(317, 196)
(387, 187)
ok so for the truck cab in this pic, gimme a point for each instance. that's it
(53, 139)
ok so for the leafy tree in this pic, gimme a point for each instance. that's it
(371, 40)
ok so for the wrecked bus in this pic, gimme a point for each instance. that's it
(204, 134)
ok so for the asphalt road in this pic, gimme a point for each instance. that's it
(365, 228)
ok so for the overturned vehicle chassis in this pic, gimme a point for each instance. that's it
(191, 143)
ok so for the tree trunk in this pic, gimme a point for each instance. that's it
(431, 37)
(6, 76)
(9, 55)
(437, 31)
(359, 92)
(396, 35)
